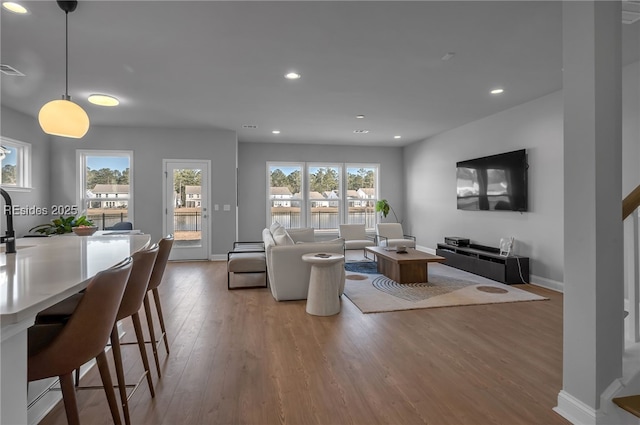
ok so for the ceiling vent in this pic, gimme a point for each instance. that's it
(630, 11)
(361, 131)
(9, 70)
(249, 126)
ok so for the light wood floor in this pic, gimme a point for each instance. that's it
(240, 357)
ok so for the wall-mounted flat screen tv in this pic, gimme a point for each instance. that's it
(493, 183)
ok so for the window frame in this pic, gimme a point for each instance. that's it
(339, 200)
(358, 165)
(305, 201)
(81, 175)
(23, 165)
(288, 164)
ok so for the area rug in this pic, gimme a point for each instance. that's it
(447, 286)
(367, 267)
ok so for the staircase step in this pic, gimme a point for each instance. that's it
(631, 404)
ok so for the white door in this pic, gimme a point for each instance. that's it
(186, 205)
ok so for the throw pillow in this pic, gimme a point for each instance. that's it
(274, 226)
(281, 237)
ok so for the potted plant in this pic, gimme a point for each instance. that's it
(62, 225)
(383, 207)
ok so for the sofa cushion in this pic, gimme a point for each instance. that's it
(303, 235)
(243, 262)
(336, 240)
(281, 237)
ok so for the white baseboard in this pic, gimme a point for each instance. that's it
(218, 257)
(574, 410)
(426, 249)
(546, 283)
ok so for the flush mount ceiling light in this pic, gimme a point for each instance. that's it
(63, 117)
(275, 131)
(397, 137)
(292, 76)
(103, 100)
(497, 91)
(15, 7)
(360, 117)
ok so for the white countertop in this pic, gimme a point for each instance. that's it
(44, 271)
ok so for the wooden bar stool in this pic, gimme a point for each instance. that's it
(143, 262)
(155, 280)
(58, 349)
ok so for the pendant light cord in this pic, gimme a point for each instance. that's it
(66, 55)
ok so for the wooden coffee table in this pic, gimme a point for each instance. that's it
(404, 268)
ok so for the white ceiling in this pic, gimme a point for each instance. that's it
(210, 64)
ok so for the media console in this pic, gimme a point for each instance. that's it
(486, 261)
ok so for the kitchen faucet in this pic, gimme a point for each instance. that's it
(10, 238)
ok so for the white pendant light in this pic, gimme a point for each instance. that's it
(63, 117)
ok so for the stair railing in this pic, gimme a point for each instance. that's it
(631, 202)
(632, 262)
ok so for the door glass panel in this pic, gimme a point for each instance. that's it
(187, 212)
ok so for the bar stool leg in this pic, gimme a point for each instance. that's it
(122, 387)
(69, 397)
(152, 333)
(103, 366)
(143, 351)
(156, 298)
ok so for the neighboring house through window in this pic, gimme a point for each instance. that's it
(105, 186)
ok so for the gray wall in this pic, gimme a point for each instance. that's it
(537, 126)
(150, 146)
(630, 127)
(24, 128)
(252, 172)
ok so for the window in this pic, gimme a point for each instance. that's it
(105, 175)
(15, 161)
(285, 194)
(324, 198)
(362, 194)
(321, 196)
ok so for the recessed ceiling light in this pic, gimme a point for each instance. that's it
(397, 137)
(275, 131)
(103, 100)
(361, 131)
(15, 7)
(292, 76)
(360, 116)
(497, 91)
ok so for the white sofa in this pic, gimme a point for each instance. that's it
(288, 274)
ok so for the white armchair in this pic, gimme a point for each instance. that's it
(391, 234)
(355, 237)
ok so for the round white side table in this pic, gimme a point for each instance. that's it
(325, 282)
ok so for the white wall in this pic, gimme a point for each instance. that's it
(150, 146)
(537, 126)
(24, 128)
(252, 172)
